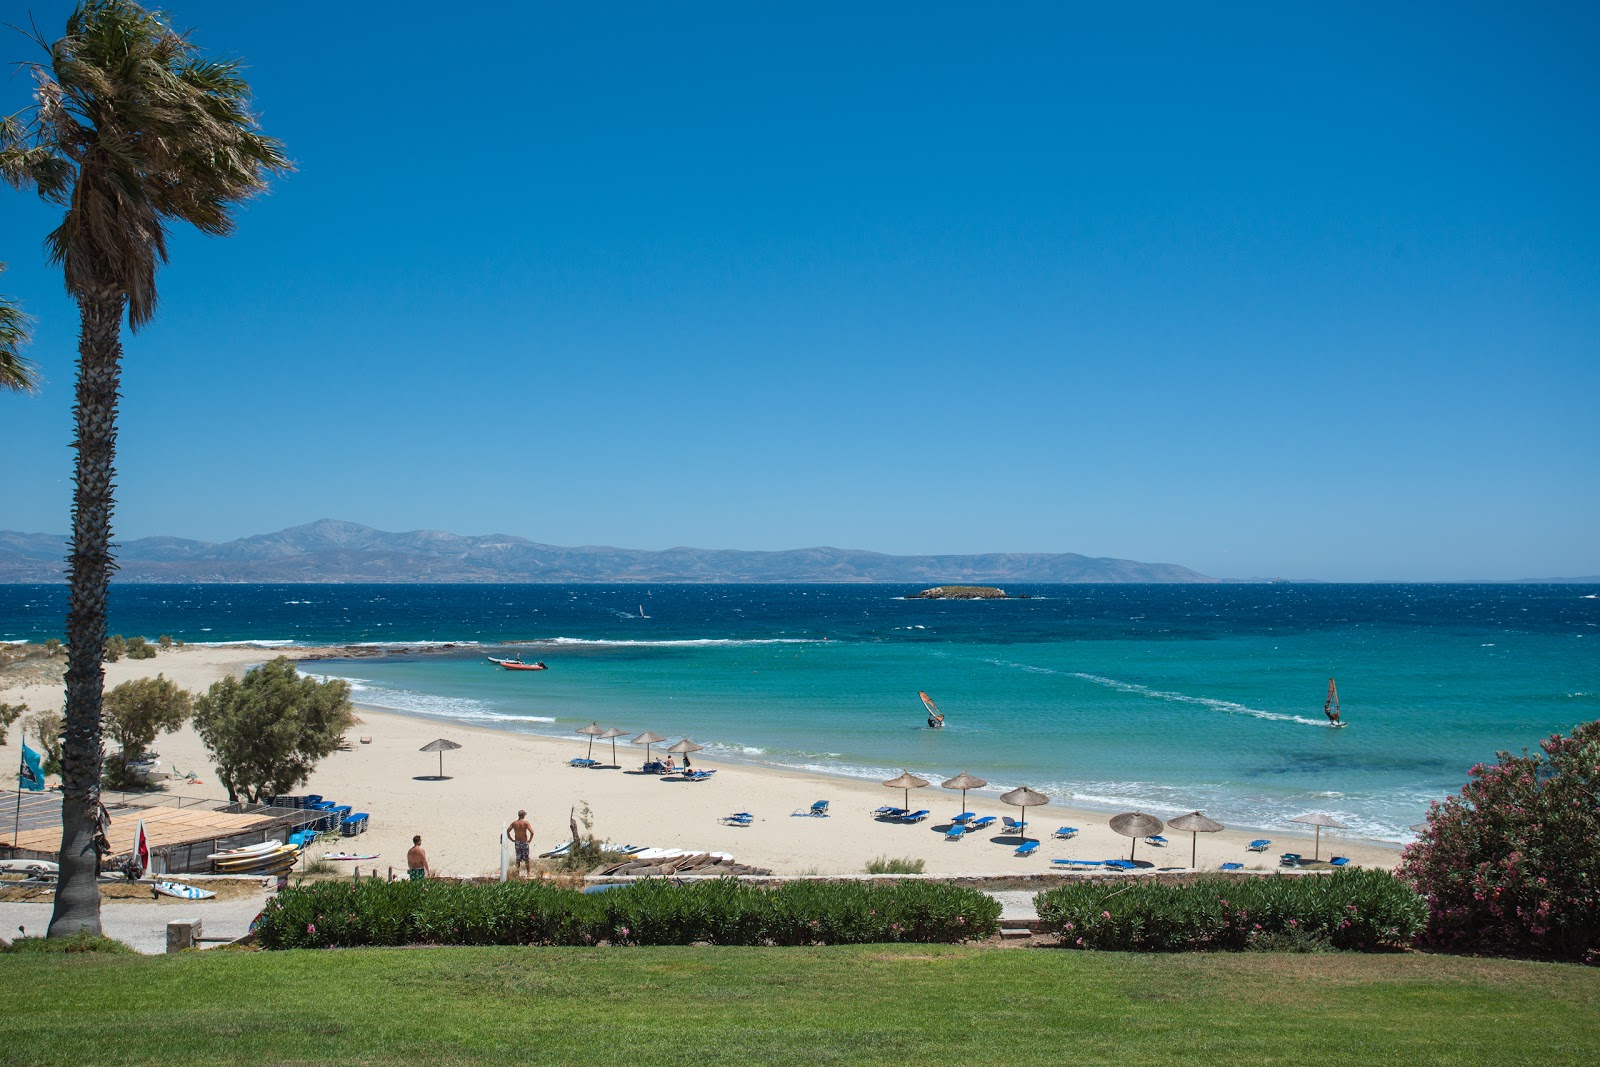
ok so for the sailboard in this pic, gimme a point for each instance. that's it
(935, 716)
(1330, 707)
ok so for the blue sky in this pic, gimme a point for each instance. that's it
(1255, 289)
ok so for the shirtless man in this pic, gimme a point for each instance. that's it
(417, 861)
(521, 834)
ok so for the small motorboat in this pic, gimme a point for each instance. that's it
(517, 664)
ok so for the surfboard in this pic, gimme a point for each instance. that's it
(29, 867)
(337, 856)
(183, 892)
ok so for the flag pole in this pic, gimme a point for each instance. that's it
(16, 822)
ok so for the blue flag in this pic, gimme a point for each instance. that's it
(31, 777)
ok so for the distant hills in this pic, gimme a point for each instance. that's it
(333, 551)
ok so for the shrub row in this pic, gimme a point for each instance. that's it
(650, 912)
(1363, 909)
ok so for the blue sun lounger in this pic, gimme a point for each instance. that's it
(915, 816)
(1260, 845)
(738, 818)
(1009, 823)
(698, 776)
(1340, 861)
(890, 812)
(581, 762)
(956, 832)
(980, 824)
(965, 817)
(1027, 848)
(1156, 840)
(819, 809)
(1080, 863)
(1066, 832)
(1289, 859)
(1233, 866)
(1122, 865)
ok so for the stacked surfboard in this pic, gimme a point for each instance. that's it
(269, 857)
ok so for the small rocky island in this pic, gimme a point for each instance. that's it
(961, 592)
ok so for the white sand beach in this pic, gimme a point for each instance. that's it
(497, 772)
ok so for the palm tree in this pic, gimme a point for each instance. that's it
(131, 128)
(15, 372)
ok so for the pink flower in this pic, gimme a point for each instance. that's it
(311, 928)
(1105, 915)
(624, 931)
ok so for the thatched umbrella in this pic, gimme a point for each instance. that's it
(908, 782)
(1135, 824)
(648, 738)
(440, 746)
(684, 747)
(964, 782)
(611, 734)
(1319, 820)
(1024, 798)
(594, 730)
(1196, 824)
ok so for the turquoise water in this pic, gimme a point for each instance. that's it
(1161, 697)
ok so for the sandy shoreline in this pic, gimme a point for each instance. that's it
(497, 772)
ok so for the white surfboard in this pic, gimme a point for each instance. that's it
(184, 892)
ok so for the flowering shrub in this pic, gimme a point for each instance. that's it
(1512, 864)
(1362, 909)
(651, 912)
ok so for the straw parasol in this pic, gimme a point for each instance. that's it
(1319, 819)
(611, 734)
(594, 730)
(648, 738)
(440, 746)
(908, 782)
(964, 782)
(1024, 798)
(685, 747)
(1135, 824)
(1196, 824)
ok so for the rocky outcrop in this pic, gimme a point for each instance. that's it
(962, 592)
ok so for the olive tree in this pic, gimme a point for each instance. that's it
(267, 731)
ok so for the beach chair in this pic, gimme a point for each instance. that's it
(1008, 823)
(1157, 840)
(1289, 859)
(889, 812)
(1233, 866)
(915, 816)
(1080, 863)
(1340, 861)
(964, 817)
(819, 809)
(1260, 845)
(353, 824)
(1027, 848)
(1065, 832)
(738, 818)
(1122, 865)
(581, 762)
(654, 767)
(980, 824)
(956, 832)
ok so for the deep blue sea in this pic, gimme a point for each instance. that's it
(1162, 697)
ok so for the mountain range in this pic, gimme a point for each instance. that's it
(334, 551)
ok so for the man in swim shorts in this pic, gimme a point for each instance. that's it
(521, 834)
(417, 860)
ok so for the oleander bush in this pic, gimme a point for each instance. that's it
(1363, 910)
(650, 912)
(1512, 864)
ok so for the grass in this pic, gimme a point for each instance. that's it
(870, 1004)
(895, 865)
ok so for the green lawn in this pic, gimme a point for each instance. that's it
(901, 1004)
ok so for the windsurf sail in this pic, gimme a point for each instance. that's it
(935, 716)
(1330, 706)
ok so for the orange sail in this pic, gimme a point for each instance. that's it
(1330, 706)
(935, 716)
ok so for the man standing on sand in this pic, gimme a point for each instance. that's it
(417, 861)
(521, 833)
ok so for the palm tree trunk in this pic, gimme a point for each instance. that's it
(89, 567)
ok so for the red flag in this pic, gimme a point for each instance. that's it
(141, 849)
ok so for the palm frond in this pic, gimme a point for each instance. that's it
(132, 128)
(16, 373)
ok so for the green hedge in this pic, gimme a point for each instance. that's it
(650, 912)
(1364, 910)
